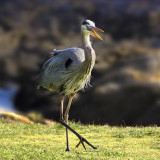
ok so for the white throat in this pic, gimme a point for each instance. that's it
(86, 39)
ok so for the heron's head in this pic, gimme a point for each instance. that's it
(88, 27)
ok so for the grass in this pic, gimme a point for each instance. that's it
(39, 142)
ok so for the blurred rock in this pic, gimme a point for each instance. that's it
(125, 94)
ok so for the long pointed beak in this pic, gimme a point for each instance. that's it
(94, 33)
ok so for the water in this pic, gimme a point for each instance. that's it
(7, 98)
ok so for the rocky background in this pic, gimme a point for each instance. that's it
(126, 78)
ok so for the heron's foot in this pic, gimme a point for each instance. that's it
(82, 139)
(68, 150)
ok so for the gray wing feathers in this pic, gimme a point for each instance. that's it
(54, 69)
(60, 56)
(53, 63)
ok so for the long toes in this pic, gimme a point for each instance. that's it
(78, 144)
(81, 141)
(83, 145)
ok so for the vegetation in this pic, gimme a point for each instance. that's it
(36, 141)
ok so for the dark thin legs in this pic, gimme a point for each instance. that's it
(78, 135)
(66, 115)
(67, 149)
(64, 122)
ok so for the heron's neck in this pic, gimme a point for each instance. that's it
(89, 52)
(86, 40)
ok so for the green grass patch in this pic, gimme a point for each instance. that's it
(39, 142)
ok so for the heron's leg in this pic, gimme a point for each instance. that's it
(66, 115)
(78, 135)
(65, 123)
(61, 111)
(64, 119)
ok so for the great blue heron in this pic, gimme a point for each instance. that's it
(69, 71)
